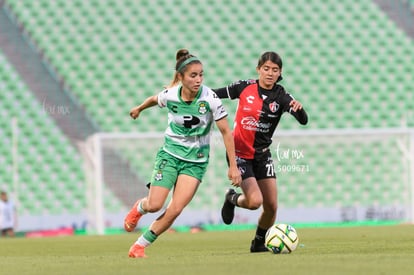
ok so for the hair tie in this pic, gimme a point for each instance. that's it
(185, 62)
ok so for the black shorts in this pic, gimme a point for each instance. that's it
(262, 168)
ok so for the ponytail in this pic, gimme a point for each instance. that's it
(183, 58)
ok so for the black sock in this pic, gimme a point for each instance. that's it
(260, 235)
(233, 198)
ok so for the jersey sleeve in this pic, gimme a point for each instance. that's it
(217, 108)
(287, 98)
(163, 98)
(300, 115)
(233, 90)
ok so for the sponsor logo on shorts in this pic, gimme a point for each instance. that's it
(158, 176)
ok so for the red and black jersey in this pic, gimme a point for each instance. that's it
(258, 114)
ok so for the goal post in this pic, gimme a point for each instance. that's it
(340, 175)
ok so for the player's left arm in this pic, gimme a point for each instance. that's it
(220, 117)
(296, 110)
(233, 171)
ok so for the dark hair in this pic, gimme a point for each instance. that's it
(183, 59)
(273, 57)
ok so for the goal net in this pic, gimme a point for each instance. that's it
(323, 176)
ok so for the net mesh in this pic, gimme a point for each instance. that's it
(313, 171)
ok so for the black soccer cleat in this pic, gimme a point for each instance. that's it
(227, 211)
(258, 247)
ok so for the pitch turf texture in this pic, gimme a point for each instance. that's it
(344, 250)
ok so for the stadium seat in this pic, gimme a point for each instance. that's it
(333, 52)
(49, 167)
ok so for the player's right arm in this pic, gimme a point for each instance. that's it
(222, 92)
(233, 90)
(149, 102)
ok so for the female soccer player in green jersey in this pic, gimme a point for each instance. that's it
(182, 161)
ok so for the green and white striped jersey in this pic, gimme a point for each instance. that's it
(189, 124)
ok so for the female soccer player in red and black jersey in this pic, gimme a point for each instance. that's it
(261, 105)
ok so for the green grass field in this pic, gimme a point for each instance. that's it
(341, 250)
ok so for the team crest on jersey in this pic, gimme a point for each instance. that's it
(273, 106)
(202, 108)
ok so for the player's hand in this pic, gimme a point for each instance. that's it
(235, 176)
(295, 105)
(134, 113)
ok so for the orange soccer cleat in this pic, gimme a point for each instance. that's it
(132, 218)
(137, 251)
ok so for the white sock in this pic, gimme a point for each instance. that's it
(140, 209)
(142, 241)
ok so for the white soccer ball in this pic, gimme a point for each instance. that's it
(281, 239)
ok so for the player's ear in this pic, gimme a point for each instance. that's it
(180, 76)
(280, 77)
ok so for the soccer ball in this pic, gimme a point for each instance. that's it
(281, 239)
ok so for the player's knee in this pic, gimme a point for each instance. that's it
(152, 207)
(254, 203)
